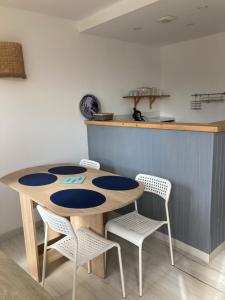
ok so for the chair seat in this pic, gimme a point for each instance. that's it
(90, 245)
(133, 227)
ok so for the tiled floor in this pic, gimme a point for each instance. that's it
(188, 279)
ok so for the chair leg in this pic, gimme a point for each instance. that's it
(44, 256)
(140, 272)
(89, 267)
(74, 282)
(171, 245)
(121, 272)
(105, 255)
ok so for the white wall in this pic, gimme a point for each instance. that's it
(39, 117)
(196, 66)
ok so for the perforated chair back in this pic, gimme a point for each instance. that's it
(90, 164)
(56, 223)
(155, 185)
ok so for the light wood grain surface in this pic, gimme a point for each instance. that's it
(29, 230)
(204, 127)
(15, 283)
(41, 194)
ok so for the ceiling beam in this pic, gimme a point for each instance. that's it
(112, 12)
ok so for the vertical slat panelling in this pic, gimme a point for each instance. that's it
(183, 157)
(218, 192)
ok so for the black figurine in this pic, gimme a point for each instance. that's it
(137, 115)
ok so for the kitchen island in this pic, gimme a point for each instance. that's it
(190, 155)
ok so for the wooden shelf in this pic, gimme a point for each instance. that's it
(151, 98)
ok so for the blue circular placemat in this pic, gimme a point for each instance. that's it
(77, 198)
(37, 179)
(67, 170)
(115, 183)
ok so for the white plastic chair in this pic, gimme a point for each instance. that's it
(80, 246)
(90, 164)
(135, 227)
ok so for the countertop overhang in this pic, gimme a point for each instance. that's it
(199, 127)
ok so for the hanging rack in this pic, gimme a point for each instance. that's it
(196, 104)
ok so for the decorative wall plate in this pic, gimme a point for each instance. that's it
(89, 105)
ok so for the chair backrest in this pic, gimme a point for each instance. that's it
(90, 164)
(56, 223)
(156, 185)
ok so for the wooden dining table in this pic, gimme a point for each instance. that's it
(92, 217)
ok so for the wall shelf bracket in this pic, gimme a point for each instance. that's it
(151, 98)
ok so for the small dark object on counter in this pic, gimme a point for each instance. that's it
(103, 116)
(137, 115)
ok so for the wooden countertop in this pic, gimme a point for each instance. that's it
(204, 127)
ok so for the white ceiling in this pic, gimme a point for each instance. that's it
(206, 21)
(117, 18)
(70, 9)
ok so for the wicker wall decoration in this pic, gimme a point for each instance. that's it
(11, 60)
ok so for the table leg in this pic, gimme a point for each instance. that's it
(30, 238)
(95, 223)
(34, 251)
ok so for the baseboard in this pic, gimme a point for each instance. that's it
(216, 251)
(185, 248)
(11, 234)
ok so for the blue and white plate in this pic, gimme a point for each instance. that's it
(89, 105)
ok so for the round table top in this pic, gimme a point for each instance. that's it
(41, 194)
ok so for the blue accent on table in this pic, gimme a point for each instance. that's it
(73, 180)
(77, 198)
(67, 170)
(37, 179)
(115, 183)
